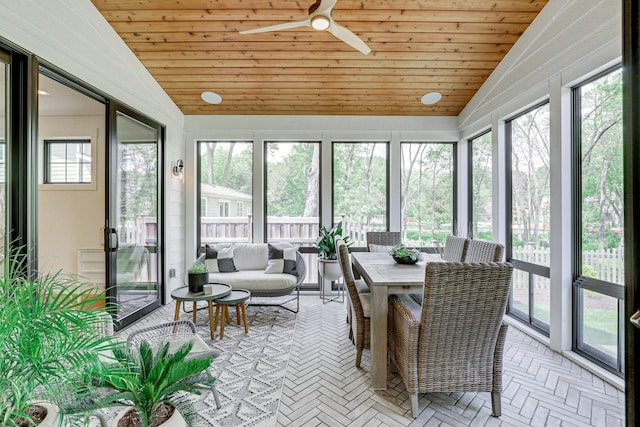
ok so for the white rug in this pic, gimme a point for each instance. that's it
(251, 368)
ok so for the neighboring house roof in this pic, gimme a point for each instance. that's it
(223, 192)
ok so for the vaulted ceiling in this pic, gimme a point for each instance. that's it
(417, 47)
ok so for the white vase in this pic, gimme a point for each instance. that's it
(329, 269)
(176, 419)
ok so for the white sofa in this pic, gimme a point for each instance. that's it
(255, 271)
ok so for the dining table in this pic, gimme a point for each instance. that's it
(386, 277)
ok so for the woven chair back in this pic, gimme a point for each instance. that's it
(455, 248)
(481, 251)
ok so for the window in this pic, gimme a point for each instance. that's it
(239, 209)
(223, 208)
(428, 193)
(481, 187)
(203, 206)
(598, 216)
(67, 162)
(360, 188)
(528, 207)
(225, 172)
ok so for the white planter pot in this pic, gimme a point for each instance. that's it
(329, 269)
(176, 419)
(53, 415)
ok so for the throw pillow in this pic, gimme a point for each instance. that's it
(281, 260)
(219, 259)
(379, 248)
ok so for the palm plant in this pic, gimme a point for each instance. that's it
(49, 334)
(144, 379)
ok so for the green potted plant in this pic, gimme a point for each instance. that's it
(153, 385)
(404, 255)
(49, 335)
(198, 276)
(328, 267)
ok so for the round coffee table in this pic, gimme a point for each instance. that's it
(182, 294)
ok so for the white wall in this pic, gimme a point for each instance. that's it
(73, 36)
(71, 218)
(569, 41)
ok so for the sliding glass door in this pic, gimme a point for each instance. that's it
(134, 225)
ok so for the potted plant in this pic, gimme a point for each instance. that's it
(328, 265)
(404, 255)
(198, 276)
(48, 337)
(153, 385)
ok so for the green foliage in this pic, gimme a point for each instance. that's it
(143, 379)
(401, 251)
(326, 242)
(198, 268)
(49, 336)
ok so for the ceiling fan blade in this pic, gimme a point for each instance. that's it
(325, 6)
(277, 27)
(348, 37)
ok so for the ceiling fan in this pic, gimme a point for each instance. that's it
(319, 19)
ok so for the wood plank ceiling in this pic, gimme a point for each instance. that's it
(447, 46)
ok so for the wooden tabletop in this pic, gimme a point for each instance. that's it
(379, 268)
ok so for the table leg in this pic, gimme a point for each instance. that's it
(195, 311)
(225, 315)
(211, 328)
(215, 321)
(244, 317)
(379, 313)
(238, 314)
(177, 313)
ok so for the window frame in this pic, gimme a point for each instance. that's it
(470, 205)
(530, 268)
(47, 146)
(579, 282)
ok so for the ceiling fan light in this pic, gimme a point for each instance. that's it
(320, 22)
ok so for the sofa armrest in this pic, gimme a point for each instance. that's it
(301, 268)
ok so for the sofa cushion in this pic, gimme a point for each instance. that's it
(379, 248)
(255, 280)
(281, 260)
(253, 256)
(219, 259)
(250, 256)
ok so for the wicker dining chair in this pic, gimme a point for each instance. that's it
(453, 342)
(360, 306)
(455, 248)
(178, 333)
(482, 251)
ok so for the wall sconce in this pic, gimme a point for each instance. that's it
(177, 168)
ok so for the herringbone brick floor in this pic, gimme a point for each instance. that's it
(541, 387)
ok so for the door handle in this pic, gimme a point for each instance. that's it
(111, 239)
(635, 319)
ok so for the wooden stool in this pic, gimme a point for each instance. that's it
(237, 297)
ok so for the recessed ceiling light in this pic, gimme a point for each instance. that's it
(211, 97)
(42, 92)
(431, 98)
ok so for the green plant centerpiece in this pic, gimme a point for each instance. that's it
(152, 383)
(404, 255)
(50, 334)
(198, 276)
(326, 241)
